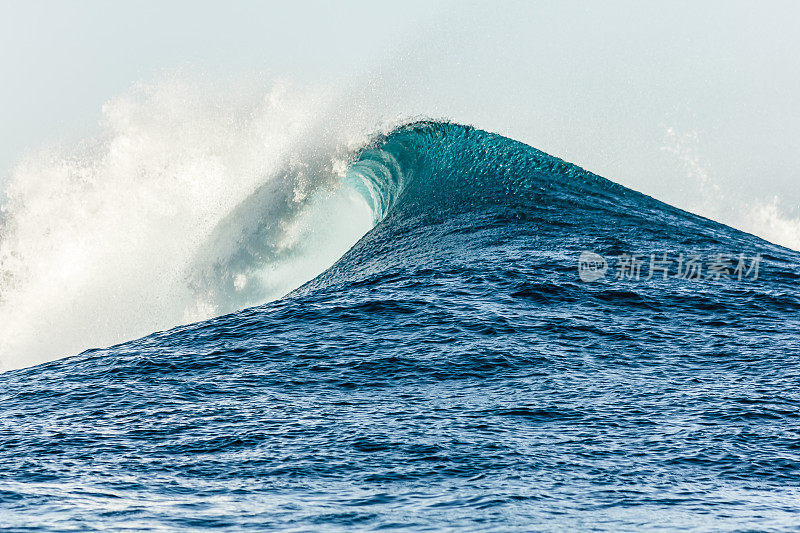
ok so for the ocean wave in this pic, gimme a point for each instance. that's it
(192, 208)
(489, 349)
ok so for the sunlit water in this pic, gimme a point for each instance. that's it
(451, 370)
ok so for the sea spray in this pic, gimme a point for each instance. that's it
(121, 236)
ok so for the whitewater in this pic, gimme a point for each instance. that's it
(284, 313)
(194, 202)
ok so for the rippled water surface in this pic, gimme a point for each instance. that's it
(452, 370)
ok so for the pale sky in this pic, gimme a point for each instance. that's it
(654, 96)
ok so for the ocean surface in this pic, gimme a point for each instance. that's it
(517, 344)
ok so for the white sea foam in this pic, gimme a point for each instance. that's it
(193, 202)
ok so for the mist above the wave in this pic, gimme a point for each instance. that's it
(193, 202)
(706, 194)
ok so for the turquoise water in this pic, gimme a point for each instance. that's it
(451, 371)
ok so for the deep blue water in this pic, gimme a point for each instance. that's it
(451, 371)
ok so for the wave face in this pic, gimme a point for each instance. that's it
(452, 369)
